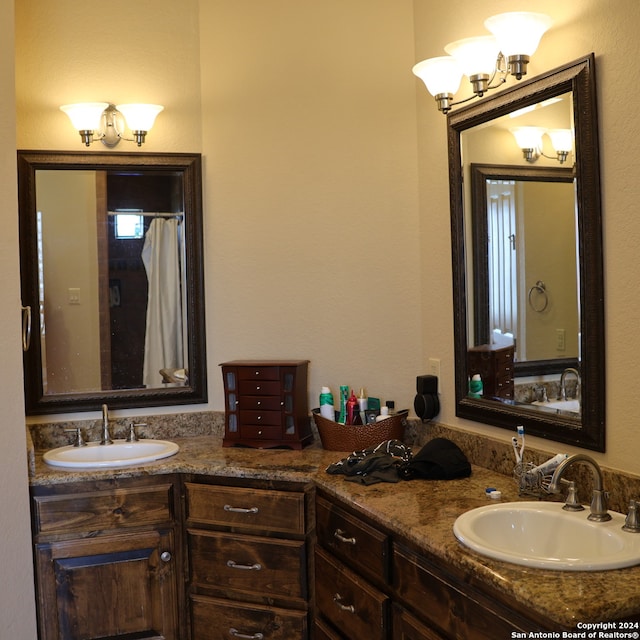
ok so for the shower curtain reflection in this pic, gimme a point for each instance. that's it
(163, 262)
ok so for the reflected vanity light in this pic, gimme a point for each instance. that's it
(485, 60)
(106, 122)
(529, 139)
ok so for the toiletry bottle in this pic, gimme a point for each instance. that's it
(363, 405)
(548, 467)
(327, 409)
(344, 395)
(384, 414)
(475, 386)
(352, 408)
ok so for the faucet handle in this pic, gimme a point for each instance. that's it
(632, 522)
(79, 440)
(132, 436)
(571, 502)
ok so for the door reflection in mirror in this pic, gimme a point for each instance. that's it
(525, 232)
(531, 237)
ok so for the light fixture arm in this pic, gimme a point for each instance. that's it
(479, 91)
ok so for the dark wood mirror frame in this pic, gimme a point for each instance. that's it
(190, 168)
(578, 78)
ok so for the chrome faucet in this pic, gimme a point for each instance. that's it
(562, 391)
(598, 501)
(106, 437)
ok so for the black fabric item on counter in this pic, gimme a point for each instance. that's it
(439, 459)
(374, 464)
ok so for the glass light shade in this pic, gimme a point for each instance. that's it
(561, 139)
(440, 75)
(85, 116)
(476, 56)
(528, 137)
(140, 117)
(518, 32)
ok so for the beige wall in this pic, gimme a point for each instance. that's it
(311, 190)
(17, 609)
(326, 205)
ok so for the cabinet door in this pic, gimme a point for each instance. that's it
(108, 587)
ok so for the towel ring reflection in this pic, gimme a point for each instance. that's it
(26, 328)
(541, 290)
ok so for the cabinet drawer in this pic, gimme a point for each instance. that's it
(266, 432)
(251, 509)
(356, 543)
(259, 418)
(259, 373)
(218, 619)
(349, 602)
(248, 563)
(322, 631)
(421, 585)
(406, 627)
(260, 403)
(259, 388)
(101, 510)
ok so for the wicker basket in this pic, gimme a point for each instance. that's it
(340, 437)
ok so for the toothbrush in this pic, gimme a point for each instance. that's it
(520, 430)
(514, 441)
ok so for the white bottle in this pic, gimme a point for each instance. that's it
(384, 414)
(327, 409)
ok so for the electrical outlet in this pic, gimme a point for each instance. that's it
(434, 367)
(560, 340)
(74, 295)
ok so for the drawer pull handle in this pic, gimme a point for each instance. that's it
(247, 567)
(165, 556)
(340, 535)
(234, 633)
(228, 507)
(337, 598)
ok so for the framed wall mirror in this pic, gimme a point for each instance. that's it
(112, 272)
(527, 260)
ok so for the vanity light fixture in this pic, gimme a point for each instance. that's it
(485, 60)
(106, 122)
(529, 139)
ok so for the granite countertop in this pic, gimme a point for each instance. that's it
(421, 511)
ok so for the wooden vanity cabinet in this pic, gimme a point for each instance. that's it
(372, 584)
(248, 559)
(107, 556)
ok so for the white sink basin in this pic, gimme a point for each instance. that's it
(119, 454)
(560, 405)
(543, 535)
